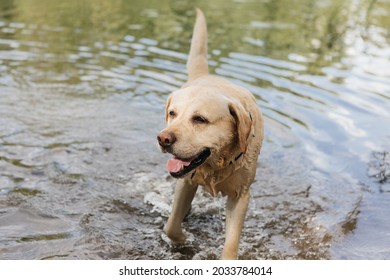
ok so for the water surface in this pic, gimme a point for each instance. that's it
(82, 91)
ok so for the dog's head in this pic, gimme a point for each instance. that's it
(202, 126)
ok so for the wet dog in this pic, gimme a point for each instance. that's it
(214, 132)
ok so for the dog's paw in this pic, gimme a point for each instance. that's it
(184, 238)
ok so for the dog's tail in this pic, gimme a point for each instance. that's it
(197, 61)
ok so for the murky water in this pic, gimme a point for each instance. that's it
(82, 92)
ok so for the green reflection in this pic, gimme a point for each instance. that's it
(64, 40)
(282, 26)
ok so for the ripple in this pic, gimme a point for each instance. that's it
(168, 53)
(268, 61)
(15, 55)
(166, 79)
(257, 67)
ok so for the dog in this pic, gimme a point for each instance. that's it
(214, 132)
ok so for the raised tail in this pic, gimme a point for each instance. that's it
(197, 61)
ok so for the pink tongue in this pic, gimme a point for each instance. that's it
(175, 165)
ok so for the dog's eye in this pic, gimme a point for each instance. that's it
(199, 119)
(172, 113)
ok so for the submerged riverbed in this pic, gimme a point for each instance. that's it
(83, 86)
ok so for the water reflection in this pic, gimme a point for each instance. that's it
(82, 89)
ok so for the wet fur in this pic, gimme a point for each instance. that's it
(233, 132)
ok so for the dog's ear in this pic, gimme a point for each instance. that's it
(166, 108)
(243, 124)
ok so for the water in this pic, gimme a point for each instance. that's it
(82, 91)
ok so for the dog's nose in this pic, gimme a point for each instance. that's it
(166, 139)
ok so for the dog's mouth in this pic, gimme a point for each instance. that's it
(179, 167)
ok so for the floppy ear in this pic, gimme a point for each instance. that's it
(166, 108)
(243, 123)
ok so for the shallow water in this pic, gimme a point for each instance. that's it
(82, 91)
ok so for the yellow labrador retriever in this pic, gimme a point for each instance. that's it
(214, 132)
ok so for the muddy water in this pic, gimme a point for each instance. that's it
(82, 92)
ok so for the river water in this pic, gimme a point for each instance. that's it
(82, 91)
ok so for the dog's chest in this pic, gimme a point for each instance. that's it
(213, 182)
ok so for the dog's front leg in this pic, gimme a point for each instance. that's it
(184, 194)
(235, 215)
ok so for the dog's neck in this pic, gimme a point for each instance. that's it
(210, 176)
(230, 157)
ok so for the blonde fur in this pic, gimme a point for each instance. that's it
(233, 133)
